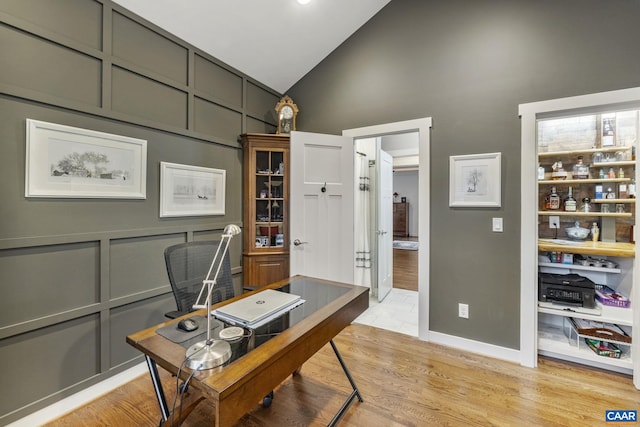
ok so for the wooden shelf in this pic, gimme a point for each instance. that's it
(581, 214)
(588, 151)
(581, 181)
(613, 200)
(621, 249)
(616, 163)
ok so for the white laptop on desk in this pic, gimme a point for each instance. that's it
(252, 310)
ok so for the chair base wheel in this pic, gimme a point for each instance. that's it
(266, 401)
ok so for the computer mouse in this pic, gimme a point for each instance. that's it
(188, 325)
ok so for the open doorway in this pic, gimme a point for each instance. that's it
(387, 200)
(420, 127)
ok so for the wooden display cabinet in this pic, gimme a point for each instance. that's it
(266, 208)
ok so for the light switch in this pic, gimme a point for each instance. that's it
(497, 225)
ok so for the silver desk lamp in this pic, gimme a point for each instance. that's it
(210, 353)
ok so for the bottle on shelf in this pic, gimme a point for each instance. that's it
(554, 199)
(621, 173)
(599, 192)
(558, 171)
(570, 203)
(623, 191)
(595, 232)
(540, 171)
(601, 174)
(610, 194)
(580, 170)
(612, 173)
(631, 191)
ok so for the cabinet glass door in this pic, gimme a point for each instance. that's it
(270, 199)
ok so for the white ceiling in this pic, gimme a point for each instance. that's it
(276, 42)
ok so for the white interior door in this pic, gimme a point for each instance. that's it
(322, 206)
(385, 223)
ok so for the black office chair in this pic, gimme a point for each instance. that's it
(187, 266)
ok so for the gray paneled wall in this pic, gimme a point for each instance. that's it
(78, 275)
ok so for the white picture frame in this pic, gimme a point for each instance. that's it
(68, 162)
(187, 190)
(475, 180)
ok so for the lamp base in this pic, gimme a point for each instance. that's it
(207, 355)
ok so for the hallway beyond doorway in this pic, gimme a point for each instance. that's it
(405, 267)
(398, 312)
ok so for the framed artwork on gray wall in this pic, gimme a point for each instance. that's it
(69, 162)
(191, 190)
(475, 180)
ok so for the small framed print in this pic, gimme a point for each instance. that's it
(475, 180)
(187, 190)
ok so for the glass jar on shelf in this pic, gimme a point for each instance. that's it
(597, 157)
(586, 205)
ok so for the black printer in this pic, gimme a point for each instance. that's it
(567, 289)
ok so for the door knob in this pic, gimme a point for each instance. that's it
(297, 242)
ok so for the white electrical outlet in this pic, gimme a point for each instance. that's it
(463, 310)
(554, 222)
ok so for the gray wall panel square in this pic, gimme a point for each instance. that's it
(46, 280)
(79, 20)
(132, 318)
(216, 121)
(35, 64)
(48, 360)
(137, 264)
(218, 82)
(141, 46)
(262, 102)
(257, 126)
(139, 96)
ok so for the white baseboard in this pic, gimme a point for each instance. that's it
(68, 404)
(477, 347)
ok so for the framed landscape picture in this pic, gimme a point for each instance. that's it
(191, 190)
(69, 162)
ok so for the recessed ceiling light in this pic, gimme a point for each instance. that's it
(303, 1)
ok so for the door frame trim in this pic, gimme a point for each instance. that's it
(423, 127)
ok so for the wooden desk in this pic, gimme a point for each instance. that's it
(238, 386)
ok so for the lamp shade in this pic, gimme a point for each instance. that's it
(231, 230)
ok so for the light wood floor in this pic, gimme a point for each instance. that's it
(404, 382)
(405, 269)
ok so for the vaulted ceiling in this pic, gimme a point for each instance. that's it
(275, 42)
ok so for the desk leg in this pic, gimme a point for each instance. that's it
(355, 393)
(157, 387)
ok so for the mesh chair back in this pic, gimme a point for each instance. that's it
(187, 266)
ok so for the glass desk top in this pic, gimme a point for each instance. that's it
(316, 294)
